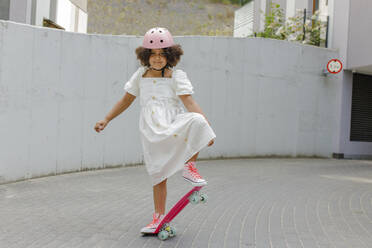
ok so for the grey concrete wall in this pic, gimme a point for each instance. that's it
(4, 9)
(262, 97)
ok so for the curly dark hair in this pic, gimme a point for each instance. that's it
(173, 55)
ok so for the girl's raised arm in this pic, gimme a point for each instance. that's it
(118, 108)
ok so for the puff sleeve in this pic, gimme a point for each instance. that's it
(183, 85)
(132, 86)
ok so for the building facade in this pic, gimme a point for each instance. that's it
(70, 15)
(350, 33)
(250, 18)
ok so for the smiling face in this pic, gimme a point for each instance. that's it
(157, 59)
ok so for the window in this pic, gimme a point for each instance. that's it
(361, 109)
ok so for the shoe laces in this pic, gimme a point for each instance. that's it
(155, 220)
(192, 169)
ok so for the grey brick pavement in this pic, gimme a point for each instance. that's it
(313, 203)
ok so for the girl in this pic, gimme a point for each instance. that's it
(171, 138)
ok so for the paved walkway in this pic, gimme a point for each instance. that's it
(252, 203)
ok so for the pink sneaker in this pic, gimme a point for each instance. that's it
(151, 227)
(191, 174)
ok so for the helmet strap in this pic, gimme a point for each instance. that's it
(162, 70)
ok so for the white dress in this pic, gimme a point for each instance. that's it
(169, 135)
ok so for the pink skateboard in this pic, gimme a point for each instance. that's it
(194, 196)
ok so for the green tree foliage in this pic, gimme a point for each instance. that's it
(274, 21)
(292, 29)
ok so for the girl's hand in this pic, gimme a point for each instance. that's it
(100, 125)
(211, 142)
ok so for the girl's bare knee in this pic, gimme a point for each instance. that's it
(162, 183)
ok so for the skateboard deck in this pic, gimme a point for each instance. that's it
(194, 196)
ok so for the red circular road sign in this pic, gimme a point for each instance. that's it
(334, 66)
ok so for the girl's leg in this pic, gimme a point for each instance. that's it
(160, 196)
(160, 192)
(193, 158)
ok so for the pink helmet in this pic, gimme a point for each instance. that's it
(157, 38)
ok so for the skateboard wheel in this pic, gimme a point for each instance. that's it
(203, 198)
(172, 232)
(163, 235)
(194, 198)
